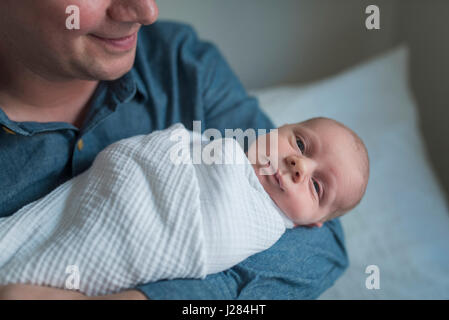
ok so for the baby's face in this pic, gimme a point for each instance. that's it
(315, 170)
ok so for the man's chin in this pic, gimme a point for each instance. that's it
(104, 74)
(112, 76)
(109, 69)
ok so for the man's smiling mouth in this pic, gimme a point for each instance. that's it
(125, 43)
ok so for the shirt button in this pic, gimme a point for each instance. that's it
(7, 130)
(80, 144)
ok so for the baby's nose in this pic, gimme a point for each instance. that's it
(297, 168)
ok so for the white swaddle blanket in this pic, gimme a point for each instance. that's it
(135, 217)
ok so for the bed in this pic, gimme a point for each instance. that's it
(401, 227)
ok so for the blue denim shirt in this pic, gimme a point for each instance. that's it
(175, 78)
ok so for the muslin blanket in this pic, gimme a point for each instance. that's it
(136, 216)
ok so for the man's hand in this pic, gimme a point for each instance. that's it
(124, 295)
(32, 292)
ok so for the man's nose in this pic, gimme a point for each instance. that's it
(144, 12)
(299, 167)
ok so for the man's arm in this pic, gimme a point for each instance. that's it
(33, 292)
(301, 265)
(304, 262)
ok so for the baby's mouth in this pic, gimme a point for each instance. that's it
(277, 175)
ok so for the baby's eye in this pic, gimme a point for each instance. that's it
(300, 144)
(317, 187)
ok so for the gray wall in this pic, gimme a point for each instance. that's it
(271, 42)
(293, 41)
(425, 27)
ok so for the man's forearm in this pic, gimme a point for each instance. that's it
(124, 295)
(32, 292)
(301, 265)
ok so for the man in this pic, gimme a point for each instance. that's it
(67, 94)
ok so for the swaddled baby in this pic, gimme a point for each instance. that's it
(138, 216)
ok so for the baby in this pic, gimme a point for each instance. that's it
(136, 216)
(321, 171)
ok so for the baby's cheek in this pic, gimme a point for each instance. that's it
(302, 209)
(292, 206)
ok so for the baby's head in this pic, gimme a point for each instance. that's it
(321, 170)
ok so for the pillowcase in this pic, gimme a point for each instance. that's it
(402, 224)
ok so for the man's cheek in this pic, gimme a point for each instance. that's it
(91, 19)
(87, 15)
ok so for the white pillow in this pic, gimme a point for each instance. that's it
(402, 224)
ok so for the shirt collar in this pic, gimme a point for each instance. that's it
(141, 89)
(119, 91)
(12, 127)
